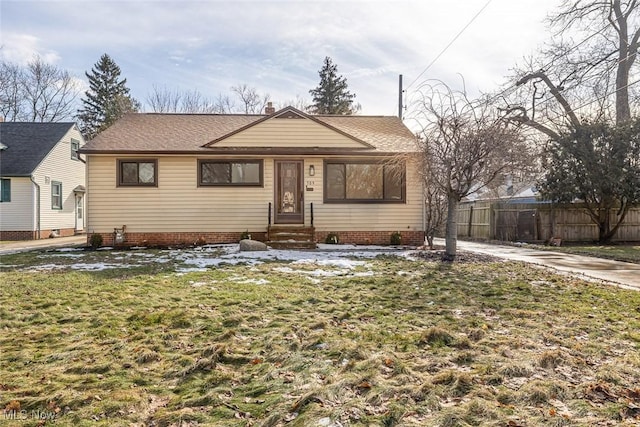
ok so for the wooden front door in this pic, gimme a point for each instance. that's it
(289, 198)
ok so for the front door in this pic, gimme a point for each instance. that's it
(79, 212)
(289, 200)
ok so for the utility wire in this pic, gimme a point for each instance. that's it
(450, 43)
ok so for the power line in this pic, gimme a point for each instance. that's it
(450, 43)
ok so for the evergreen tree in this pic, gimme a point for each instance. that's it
(106, 100)
(599, 164)
(331, 96)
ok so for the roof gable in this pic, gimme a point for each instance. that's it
(288, 128)
(27, 144)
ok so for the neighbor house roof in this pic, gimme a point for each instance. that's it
(187, 133)
(27, 144)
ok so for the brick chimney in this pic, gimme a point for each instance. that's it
(269, 109)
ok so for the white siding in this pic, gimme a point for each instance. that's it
(294, 133)
(17, 215)
(58, 166)
(179, 205)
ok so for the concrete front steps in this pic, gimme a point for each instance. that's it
(291, 237)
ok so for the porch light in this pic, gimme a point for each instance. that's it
(312, 170)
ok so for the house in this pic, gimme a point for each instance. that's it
(180, 178)
(42, 180)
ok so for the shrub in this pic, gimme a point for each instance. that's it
(332, 239)
(95, 241)
(245, 235)
(396, 238)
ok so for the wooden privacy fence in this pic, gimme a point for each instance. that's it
(537, 222)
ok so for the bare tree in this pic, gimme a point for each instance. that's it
(11, 104)
(224, 104)
(466, 146)
(298, 102)
(435, 201)
(164, 100)
(251, 101)
(585, 71)
(38, 92)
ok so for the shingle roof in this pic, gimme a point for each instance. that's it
(27, 145)
(157, 133)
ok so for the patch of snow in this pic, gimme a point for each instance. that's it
(254, 281)
(68, 249)
(99, 266)
(66, 255)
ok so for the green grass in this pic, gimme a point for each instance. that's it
(627, 253)
(391, 341)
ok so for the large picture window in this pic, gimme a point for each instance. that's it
(367, 182)
(230, 172)
(138, 172)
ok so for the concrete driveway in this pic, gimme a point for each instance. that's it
(621, 273)
(27, 245)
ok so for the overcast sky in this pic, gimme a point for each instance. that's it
(278, 46)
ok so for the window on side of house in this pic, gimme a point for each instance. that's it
(363, 182)
(230, 173)
(5, 190)
(137, 173)
(75, 146)
(56, 195)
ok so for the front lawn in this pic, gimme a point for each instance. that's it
(202, 337)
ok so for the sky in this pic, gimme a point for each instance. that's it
(278, 47)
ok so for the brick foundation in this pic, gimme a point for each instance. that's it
(412, 238)
(33, 235)
(175, 239)
(17, 235)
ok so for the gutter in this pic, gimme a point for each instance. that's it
(37, 205)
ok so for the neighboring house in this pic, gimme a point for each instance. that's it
(42, 180)
(182, 178)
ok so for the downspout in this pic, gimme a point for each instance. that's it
(37, 206)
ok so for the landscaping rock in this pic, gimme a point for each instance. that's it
(248, 245)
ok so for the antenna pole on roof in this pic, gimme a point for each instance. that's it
(400, 96)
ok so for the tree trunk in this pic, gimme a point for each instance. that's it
(430, 240)
(451, 233)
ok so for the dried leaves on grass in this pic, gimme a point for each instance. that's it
(389, 342)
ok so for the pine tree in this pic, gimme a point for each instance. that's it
(331, 96)
(106, 100)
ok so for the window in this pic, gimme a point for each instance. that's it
(138, 172)
(230, 172)
(371, 182)
(75, 146)
(56, 195)
(79, 207)
(5, 190)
